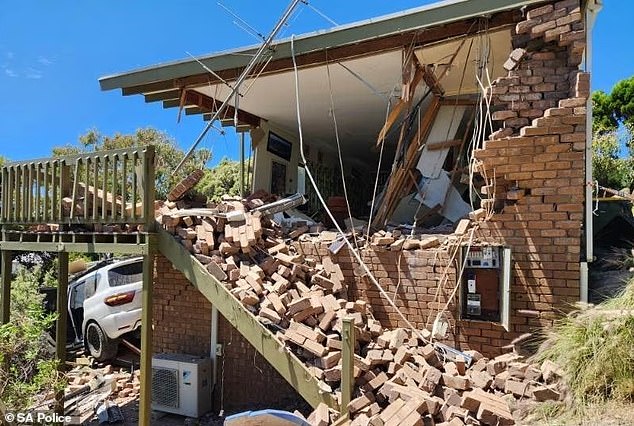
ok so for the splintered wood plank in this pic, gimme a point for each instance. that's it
(432, 81)
(401, 106)
(398, 180)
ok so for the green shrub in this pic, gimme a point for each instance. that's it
(595, 349)
(27, 366)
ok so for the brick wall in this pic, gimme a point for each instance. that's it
(538, 160)
(182, 323)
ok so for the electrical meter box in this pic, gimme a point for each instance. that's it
(486, 283)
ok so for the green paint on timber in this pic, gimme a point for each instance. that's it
(263, 340)
(347, 367)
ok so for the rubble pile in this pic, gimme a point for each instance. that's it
(401, 378)
(90, 386)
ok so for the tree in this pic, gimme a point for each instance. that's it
(224, 179)
(26, 366)
(3, 160)
(168, 154)
(613, 142)
(610, 169)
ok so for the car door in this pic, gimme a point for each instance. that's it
(76, 299)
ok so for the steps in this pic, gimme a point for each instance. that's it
(262, 339)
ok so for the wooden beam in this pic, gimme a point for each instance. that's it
(61, 323)
(396, 184)
(5, 302)
(365, 48)
(264, 341)
(162, 96)
(442, 145)
(431, 81)
(403, 105)
(210, 105)
(347, 366)
(77, 247)
(145, 400)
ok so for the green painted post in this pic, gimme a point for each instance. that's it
(145, 402)
(62, 317)
(5, 307)
(347, 368)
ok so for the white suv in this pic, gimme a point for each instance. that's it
(104, 304)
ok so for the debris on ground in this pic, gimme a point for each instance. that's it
(401, 378)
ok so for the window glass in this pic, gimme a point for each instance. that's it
(78, 296)
(126, 274)
(91, 286)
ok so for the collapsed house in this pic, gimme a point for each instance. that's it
(463, 131)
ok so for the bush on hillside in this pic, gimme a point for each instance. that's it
(27, 366)
(595, 349)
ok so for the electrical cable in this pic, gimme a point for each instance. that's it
(343, 176)
(320, 13)
(318, 193)
(378, 172)
(240, 80)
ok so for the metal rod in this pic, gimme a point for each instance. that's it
(242, 164)
(240, 80)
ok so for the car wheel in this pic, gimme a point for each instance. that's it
(99, 345)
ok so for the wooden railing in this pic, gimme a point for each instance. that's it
(108, 187)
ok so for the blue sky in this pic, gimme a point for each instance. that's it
(52, 53)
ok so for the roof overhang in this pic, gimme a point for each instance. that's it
(328, 60)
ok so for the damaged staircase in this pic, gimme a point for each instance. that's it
(290, 367)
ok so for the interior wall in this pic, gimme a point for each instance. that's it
(263, 160)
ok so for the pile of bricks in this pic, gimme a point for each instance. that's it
(399, 376)
(404, 382)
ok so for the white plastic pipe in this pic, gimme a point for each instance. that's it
(214, 343)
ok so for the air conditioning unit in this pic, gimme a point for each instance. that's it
(181, 384)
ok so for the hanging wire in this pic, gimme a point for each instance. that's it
(245, 72)
(320, 13)
(343, 176)
(378, 173)
(354, 252)
(243, 24)
(210, 71)
(365, 82)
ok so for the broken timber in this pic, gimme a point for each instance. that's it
(397, 184)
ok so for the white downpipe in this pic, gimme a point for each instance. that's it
(592, 9)
(583, 283)
(214, 342)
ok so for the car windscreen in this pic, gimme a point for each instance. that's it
(125, 274)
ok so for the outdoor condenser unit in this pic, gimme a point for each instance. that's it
(181, 384)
